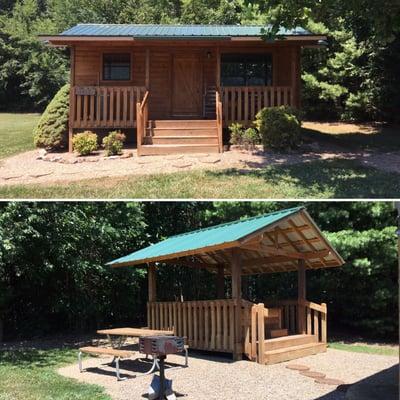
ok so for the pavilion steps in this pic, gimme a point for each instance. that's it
(180, 136)
(291, 347)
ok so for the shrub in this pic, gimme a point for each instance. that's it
(51, 131)
(85, 142)
(236, 131)
(250, 138)
(113, 143)
(279, 127)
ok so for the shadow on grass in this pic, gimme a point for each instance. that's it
(384, 137)
(330, 178)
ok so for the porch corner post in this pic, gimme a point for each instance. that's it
(301, 287)
(71, 98)
(220, 282)
(237, 296)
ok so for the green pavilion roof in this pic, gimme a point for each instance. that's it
(215, 236)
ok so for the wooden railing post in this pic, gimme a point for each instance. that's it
(139, 120)
(260, 333)
(219, 115)
(324, 323)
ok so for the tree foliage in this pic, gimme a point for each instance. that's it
(54, 277)
(354, 77)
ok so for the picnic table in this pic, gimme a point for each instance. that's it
(118, 336)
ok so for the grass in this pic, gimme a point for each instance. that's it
(318, 179)
(355, 136)
(30, 374)
(16, 133)
(365, 348)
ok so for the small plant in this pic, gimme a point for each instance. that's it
(279, 127)
(250, 138)
(113, 143)
(236, 131)
(85, 143)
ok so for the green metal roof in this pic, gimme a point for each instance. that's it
(204, 238)
(176, 31)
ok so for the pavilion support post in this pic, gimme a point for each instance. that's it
(220, 282)
(301, 287)
(237, 296)
(151, 277)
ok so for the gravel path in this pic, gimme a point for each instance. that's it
(26, 168)
(210, 378)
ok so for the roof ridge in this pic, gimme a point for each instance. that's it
(219, 25)
(285, 210)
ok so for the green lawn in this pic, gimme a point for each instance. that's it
(31, 374)
(318, 179)
(365, 348)
(16, 133)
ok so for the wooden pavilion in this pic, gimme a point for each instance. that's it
(178, 86)
(286, 240)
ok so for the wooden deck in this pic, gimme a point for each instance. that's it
(286, 331)
(123, 107)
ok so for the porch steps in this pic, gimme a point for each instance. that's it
(291, 347)
(160, 149)
(180, 136)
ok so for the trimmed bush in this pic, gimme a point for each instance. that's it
(279, 127)
(85, 143)
(51, 131)
(236, 131)
(250, 138)
(113, 143)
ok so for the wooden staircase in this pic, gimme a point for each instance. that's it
(180, 136)
(287, 348)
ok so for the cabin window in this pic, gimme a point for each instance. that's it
(117, 67)
(246, 70)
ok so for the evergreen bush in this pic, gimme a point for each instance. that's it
(51, 131)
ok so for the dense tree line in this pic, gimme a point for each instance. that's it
(53, 276)
(354, 77)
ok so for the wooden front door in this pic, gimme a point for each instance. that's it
(187, 86)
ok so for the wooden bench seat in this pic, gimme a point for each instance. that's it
(109, 351)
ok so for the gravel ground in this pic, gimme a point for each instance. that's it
(26, 168)
(209, 377)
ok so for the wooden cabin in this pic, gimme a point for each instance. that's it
(174, 88)
(268, 332)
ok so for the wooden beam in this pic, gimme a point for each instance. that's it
(147, 73)
(301, 295)
(218, 69)
(237, 296)
(220, 282)
(152, 283)
(71, 98)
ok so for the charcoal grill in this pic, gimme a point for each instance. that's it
(159, 347)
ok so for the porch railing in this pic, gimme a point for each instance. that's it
(208, 325)
(105, 106)
(295, 316)
(242, 103)
(142, 113)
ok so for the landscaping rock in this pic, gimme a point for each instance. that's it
(129, 154)
(42, 153)
(313, 374)
(297, 367)
(210, 160)
(39, 175)
(182, 164)
(174, 157)
(329, 381)
(8, 177)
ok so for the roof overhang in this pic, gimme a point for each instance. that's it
(274, 248)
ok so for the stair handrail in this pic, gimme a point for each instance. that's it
(218, 107)
(142, 113)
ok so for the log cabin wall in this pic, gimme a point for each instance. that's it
(88, 67)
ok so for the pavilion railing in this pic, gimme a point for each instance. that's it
(302, 316)
(105, 106)
(241, 103)
(208, 325)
